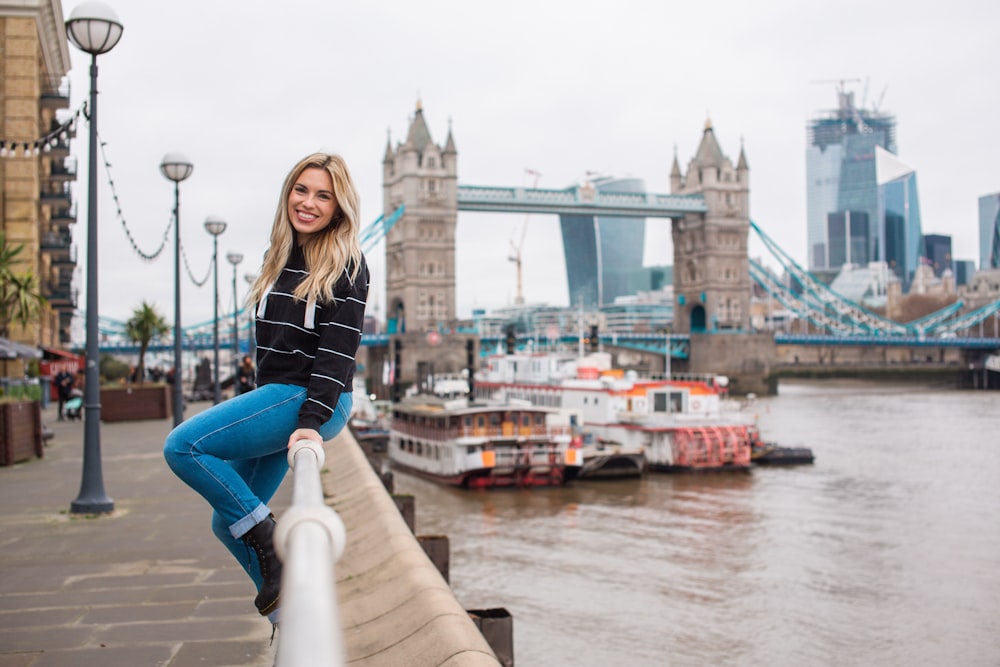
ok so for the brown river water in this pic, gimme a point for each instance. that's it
(885, 551)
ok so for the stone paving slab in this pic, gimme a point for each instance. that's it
(149, 585)
(145, 585)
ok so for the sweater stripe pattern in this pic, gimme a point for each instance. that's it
(316, 352)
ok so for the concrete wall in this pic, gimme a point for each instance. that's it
(395, 607)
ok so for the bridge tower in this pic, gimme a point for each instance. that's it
(711, 268)
(420, 248)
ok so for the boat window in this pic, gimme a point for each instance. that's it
(468, 420)
(420, 449)
(660, 402)
(481, 421)
(540, 419)
(471, 449)
(525, 420)
(494, 419)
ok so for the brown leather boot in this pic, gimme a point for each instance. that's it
(260, 539)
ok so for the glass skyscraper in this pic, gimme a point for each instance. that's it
(989, 231)
(842, 193)
(901, 243)
(604, 254)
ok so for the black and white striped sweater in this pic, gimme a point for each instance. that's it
(308, 344)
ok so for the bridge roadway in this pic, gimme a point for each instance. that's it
(149, 585)
(653, 343)
(578, 200)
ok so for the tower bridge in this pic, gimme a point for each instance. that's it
(708, 207)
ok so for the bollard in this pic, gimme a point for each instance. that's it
(497, 627)
(388, 481)
(406, 504)
(438, 549)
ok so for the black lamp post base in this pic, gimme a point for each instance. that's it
(92, 506)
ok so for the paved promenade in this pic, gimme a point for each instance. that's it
(146, 585)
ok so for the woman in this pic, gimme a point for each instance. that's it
(310, 303)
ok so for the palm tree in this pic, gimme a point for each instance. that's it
(21, 301)
(145, 325)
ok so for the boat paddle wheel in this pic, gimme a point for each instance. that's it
(711, 448)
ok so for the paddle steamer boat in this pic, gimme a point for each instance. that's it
(680, 424)
(483, 445)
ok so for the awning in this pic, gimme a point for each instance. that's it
(56, 353)
(12, 350)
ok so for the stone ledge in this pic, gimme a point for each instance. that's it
(396, 607)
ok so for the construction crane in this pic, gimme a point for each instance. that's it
(515, 249)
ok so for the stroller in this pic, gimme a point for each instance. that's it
(74, 405)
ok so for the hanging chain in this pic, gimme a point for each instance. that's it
(149, 257)
(187, 266)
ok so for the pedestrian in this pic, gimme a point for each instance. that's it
(309, 300)
(64, 390)
(245, 376)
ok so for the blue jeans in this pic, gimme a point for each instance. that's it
(235, 454)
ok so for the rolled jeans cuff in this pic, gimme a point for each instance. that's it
(241, 527)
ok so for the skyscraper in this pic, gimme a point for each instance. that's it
(841, 182)
(603, 255)
(901, 244)
(989, 231)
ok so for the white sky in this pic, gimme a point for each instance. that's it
(246, 88)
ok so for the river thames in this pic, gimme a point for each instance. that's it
(885, 551)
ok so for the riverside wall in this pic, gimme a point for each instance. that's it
(395, 607)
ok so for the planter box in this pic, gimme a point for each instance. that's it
(20, 431)
(148, 401)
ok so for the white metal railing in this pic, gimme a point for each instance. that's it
(309, 539)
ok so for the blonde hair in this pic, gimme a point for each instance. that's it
(329, 252)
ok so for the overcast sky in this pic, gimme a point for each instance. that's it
(246, 88)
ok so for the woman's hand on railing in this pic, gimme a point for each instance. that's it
(304, 434)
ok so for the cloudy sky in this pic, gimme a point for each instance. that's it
(246, 88)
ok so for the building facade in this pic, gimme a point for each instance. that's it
(841, 190)
(937, 250)
(604, 255)
(36, 170)
(902, 243)
(989, 231)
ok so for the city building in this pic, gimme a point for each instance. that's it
(643, 312)
(937, 249)
(842, 194)
(901, 244)
(964, 269)
(604, 255)
(989, 231)
(36, 170)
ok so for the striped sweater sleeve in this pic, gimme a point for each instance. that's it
(339, 327)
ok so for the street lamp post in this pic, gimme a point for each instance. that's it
(251, 278)
(235, 258)
(93, 28)
(215, 226)
(176, 167)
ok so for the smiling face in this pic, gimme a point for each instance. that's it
(311, 203)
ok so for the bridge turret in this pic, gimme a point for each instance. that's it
(420, 248)
(675, 175)
(711, 268)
